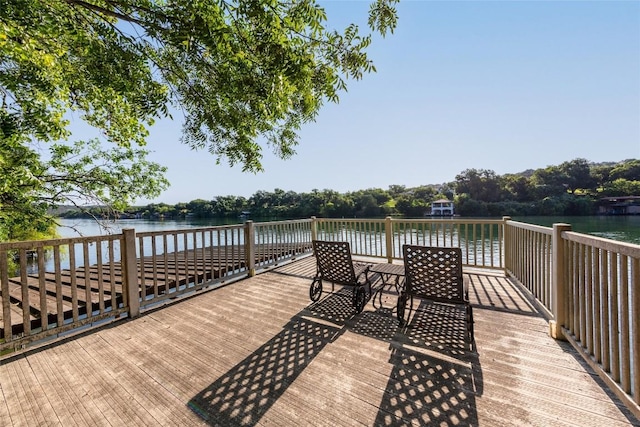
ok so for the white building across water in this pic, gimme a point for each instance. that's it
(442, 207)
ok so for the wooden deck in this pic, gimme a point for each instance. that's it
(257, 352)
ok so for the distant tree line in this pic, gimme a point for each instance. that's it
(572, 188)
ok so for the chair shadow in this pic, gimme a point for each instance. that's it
(436, 377)
(335, 307)
(379, 324)
(433, 381)
(427, 389)
(438, 327)
(246, 392)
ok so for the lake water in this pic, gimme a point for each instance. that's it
(621, 228)
(89, 227)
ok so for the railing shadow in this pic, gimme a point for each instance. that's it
(491, 294)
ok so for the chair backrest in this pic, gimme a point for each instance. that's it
(334, 262)
(434, 273)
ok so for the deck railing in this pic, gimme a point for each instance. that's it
(481, 240)
(600, 313)
(176, 262)
(589, 287)
(528, 259)
(62, 285)
(47, 294)
(277, 241)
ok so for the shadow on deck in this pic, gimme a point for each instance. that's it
(259, 353)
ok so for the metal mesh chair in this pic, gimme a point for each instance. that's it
(335, 265)
(434, 274)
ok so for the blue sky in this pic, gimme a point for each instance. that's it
(499, 85)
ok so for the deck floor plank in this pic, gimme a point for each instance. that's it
(257, 352)
(21, 389)
(5, 418)
(141, 401)
(51, 378)
(104, 405)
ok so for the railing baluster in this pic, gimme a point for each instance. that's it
(142, 268)
(154, 268)
(99, 263)
(112, 275)
(165, 262)
(44, 312)
(588, 300)
(176, 262)
(597, 303)
(625, 363)
(614, 309)
(74, 285)
(87, 280)
(6, 301)
(635, 326)
(58, 277)
(606, 324)
(581, 336)
(26, 305)
(187, 260)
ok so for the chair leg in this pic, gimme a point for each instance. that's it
(400, 308)
(359, 298)
(470, 325)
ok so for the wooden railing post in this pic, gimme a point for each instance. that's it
(506, 239)
(250, 247)
(314, 228)
(131, 291)
(558, 282)
(388, 232)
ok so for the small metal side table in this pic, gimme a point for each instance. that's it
(391, 274)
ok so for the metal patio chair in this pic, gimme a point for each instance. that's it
(334, 264)
(434, 274)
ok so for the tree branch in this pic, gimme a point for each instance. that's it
(104, 11)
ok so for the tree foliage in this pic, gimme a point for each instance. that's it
(239, 72)
(479, 184)
(489, 195)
